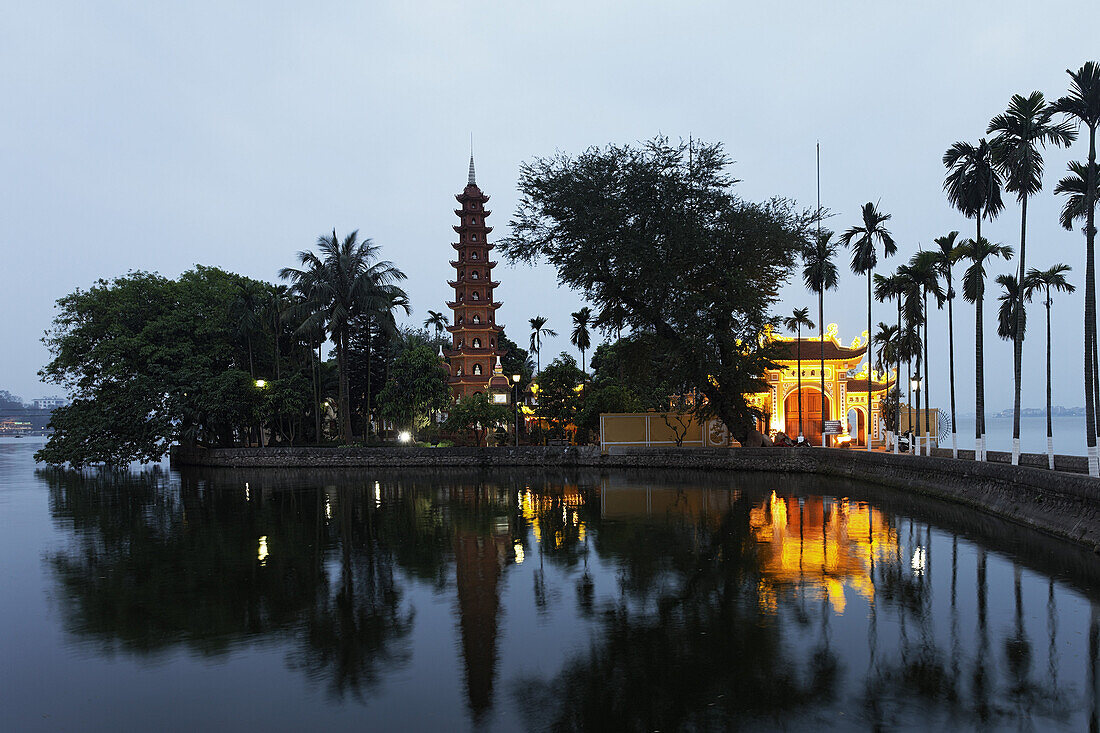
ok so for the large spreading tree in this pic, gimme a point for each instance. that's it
(654, 237)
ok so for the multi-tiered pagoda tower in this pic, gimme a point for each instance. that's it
(474, 353)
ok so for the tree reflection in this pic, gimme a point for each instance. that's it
(688, 644)
(151, 566)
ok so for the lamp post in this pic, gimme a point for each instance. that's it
(914, 384)
(515, 404)
(261, 384)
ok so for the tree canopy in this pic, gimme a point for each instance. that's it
(654, 237)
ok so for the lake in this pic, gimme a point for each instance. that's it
(527, 600)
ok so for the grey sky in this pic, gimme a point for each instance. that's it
(143, 136)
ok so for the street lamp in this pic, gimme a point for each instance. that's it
(515, 403)
(261, 384)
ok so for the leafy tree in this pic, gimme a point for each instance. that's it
(1082, 104)
(1020, 133)
(978, 252)
(602, 398)
(417, 386)
(794, 322)
(580, 336)
(341, 281)
(478, 415)
(819, 272)
(642, 363)
(655, 239)
(1046, 282)
(559, 397)
(861, 239)
(515, 361)
(148, 361)
(8, 401)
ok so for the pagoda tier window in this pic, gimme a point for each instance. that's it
(473, 237)
(473, 296)
(491, 343)
(458, 372)
(477, 370)
(473, 255)
(460, 319)
(477, 343)
(474, 275)
(475, 319)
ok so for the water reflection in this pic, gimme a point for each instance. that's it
(586, 601)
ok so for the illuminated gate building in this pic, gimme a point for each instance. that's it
(845, 385)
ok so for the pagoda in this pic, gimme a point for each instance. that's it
(474, 355)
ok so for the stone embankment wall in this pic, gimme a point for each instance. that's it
(1062, 504)
(1072, 464)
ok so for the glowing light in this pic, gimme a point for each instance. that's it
(261, 383)
(261, 553)
(377, 495)
(247, 493)
(405, 436)
(519, 553)
(919, 562)
(328, 508)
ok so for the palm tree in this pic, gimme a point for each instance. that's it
(538, 331)
(926, 278)
(1082, 104)
(438, 321)
(819, 272)
(973, 186)
(1047, 281)
(580, 336)
(799, 318)
(977, 252)
(909, 348)
(1020, 133)
(1010, 321)
(894, 287)
(886, 354)
(862, 240)
(945, 258)
(341, 281)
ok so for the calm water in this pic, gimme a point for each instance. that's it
(1069, 434)
(269, 600)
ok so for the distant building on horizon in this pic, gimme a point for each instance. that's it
(49, 403)
(474, 356)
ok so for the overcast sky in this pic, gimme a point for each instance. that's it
(153, 136)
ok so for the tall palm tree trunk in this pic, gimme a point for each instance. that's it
(951, 369)
(979, 382)
(1018, 337)
(918, 391)
(316, 394)
(798, 366)
(821, 332)
(909, 402)
(1090, 336)
(344, 397)
(927, 393)
(870, 350)
(979, 378)
(897, 380)
(369, 426)
(1050, 422)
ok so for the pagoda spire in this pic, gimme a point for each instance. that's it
(472, 182)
